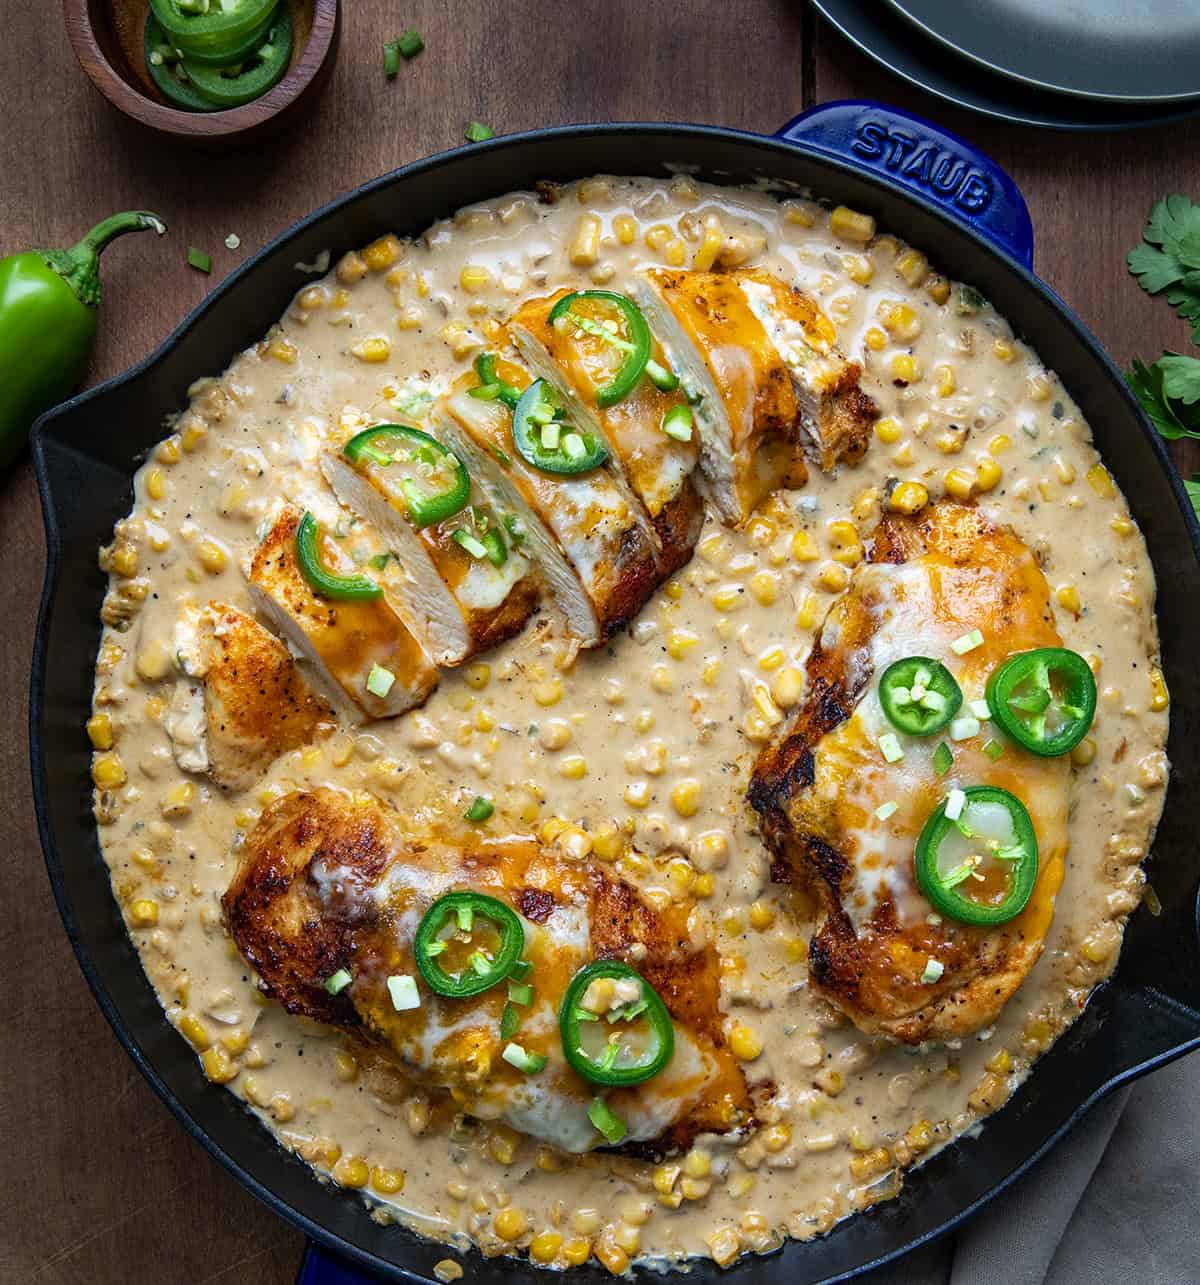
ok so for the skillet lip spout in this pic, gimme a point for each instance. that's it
(1149, 1011)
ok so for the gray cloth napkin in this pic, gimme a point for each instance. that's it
(1118, 1200)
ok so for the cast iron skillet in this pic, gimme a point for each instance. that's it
(932, 189)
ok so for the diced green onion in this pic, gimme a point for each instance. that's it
(606, 1121)
(943, 759)
(968, 642)
(661, 377)
(888, 809)
(934, 968)
(962, 729)
(403, 990)
(467, 542)
(520, 993)
(379, 681)
(889, 747)
(199, 260)
(521, 969)
(993, 749)
(480, 810)
(338, 982)
(530, 1063)
(478, 132)
(510, 1019)
(677, 423)
(410, 44)
(955, 802)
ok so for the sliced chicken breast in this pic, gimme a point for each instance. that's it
(344, 641)
(659, 467)
(241, 701)
(450, 593)
(772, 387)
(930, 580)
(589, 535)
(326, 884)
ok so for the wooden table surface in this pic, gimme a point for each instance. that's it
(98, 1182)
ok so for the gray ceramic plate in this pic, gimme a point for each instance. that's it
(882, 34)
(1129, 51)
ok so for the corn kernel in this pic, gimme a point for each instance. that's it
(745, 1043)
(351, 268)
(502, 1144)
(156, 484)
(776, 1137)
(625, 226)
(1000, 443)
(584, 249)
(724, 1245)
(799, 213)
(1122, 526)
(859, 268)
(108, 772)
(123, 561)
(808, 611)
(351, 1171)
(680, 642)
(787, 687)
(573, 768)
(869, 1164)
(388, 1182)
(938, 288)
(875, 339)
(704, 887)
(510, 1223)
(373, 350)
(167, 450)
(1159, 696)
(195, 1032)
(383, 253)
(904, 368)
(913, 267)
(576, 1251)
(1004, 350)
(727, 598)
(345, 1066)
(762, 916)
(675, 253)
(1100, 480)
(178, 800)
(908, 497)
(1068, 598)
(661, 679)
(282, 350)
(544, 1247)
(960, 483)
(143, 913)
(850, 225)
(764, 585)
(946, 382)
(100, 733)
(211, 557)
(685, 798)
(833, 578)
(951, 441)
(803, 548)
(1084, 752)
(1001, 1062)
(612, 1256)
(901, 322)
(988, 474)
(697, 1163)
(548, 693)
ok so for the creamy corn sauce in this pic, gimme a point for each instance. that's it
(645, 744)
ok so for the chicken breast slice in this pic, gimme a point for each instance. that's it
(930, 580)
(241, 701)
(589, 535)
(342, 640)
(660, 468)
(455, 603)
(327, 884)
(772, 387)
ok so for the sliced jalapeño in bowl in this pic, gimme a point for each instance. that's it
(467, 943)
(1045, 700)
(617, 321)
(615, 1029)
(424, 479)
(977, 856)
(920, 696)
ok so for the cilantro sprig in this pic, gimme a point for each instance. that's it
(1169, 257)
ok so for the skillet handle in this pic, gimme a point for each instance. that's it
(915, 155)
(319, 1267)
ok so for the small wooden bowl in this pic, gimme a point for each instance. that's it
(107, 38)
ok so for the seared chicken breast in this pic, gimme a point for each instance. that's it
(241, 701)
(343, 640)
(930, 581)
(758, 360)
(327, 884)
(659, 466)
(588, 533)
(457, 596)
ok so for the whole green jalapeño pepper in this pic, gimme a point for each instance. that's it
(48, 303)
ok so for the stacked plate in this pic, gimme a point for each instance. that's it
(1070, 64)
